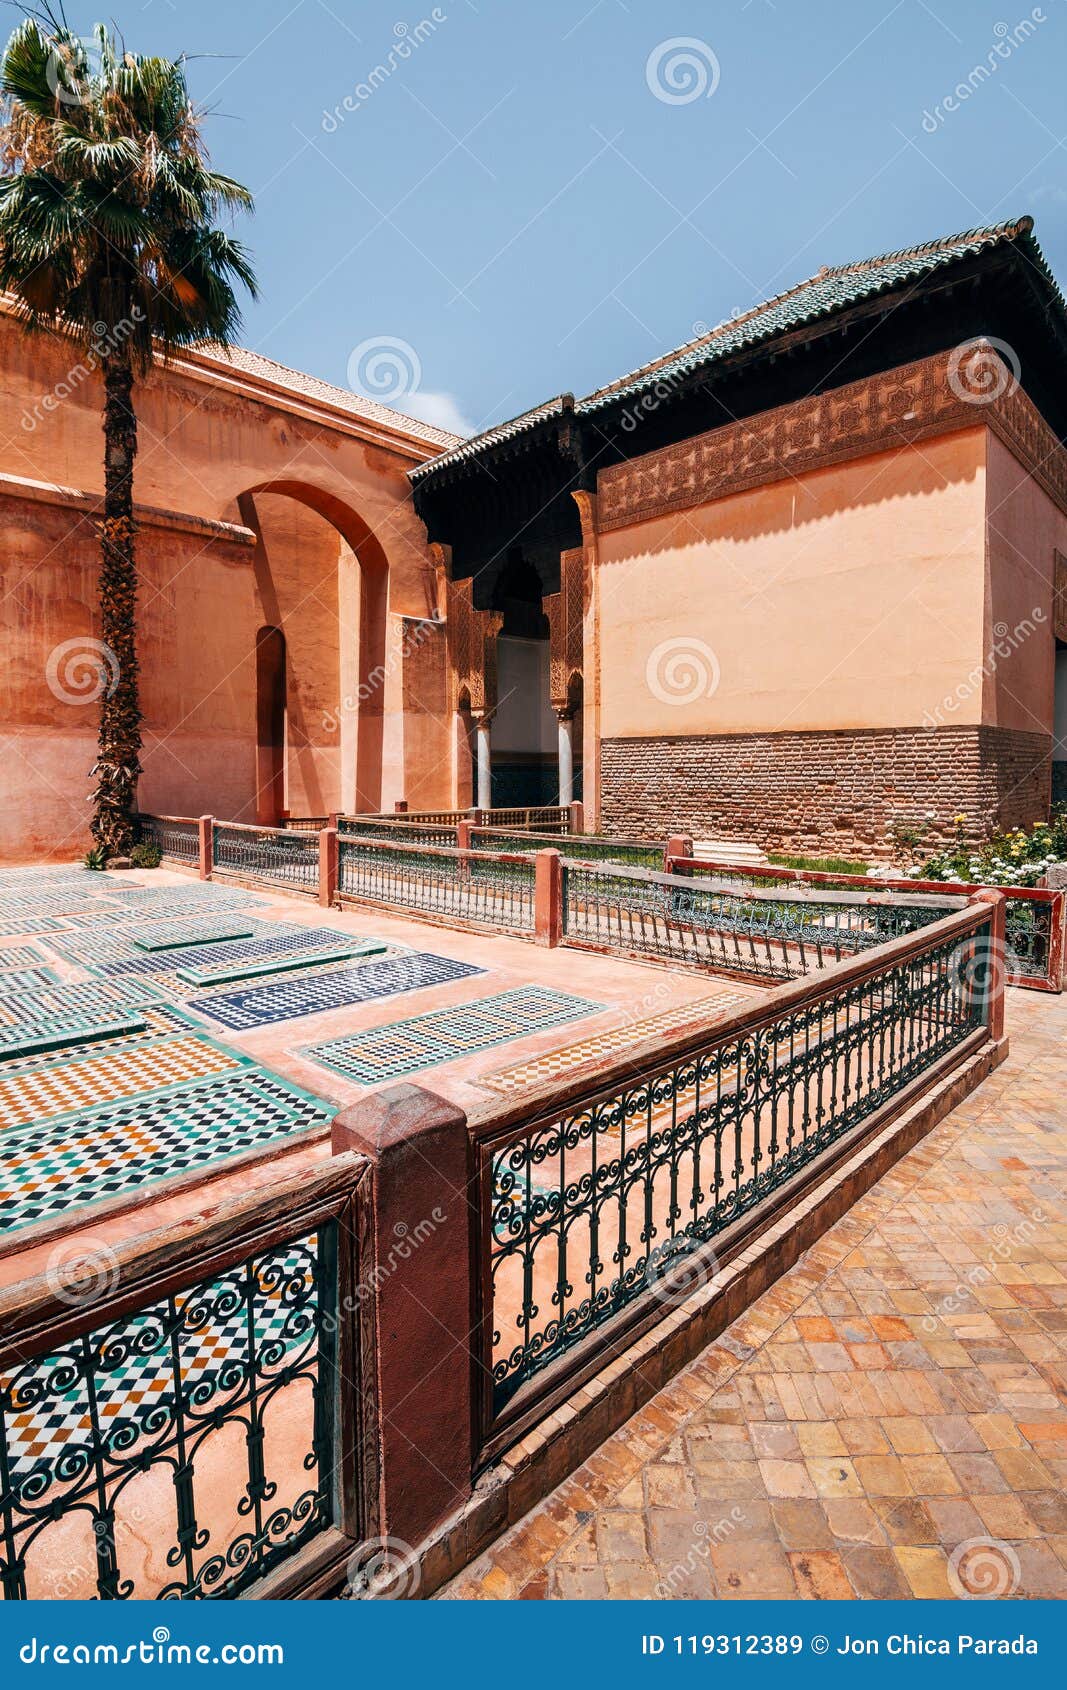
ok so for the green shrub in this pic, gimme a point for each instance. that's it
(146, 856)
(96, 859)
(820, 865)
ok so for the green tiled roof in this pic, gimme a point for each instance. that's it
(820, 297)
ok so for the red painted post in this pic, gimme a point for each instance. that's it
(576, 823)
(206, 825)
(332, 818)
(419, 1286)
(997, 963)
(678, 845)
(463, 835)
(548, 898)
(327, 867)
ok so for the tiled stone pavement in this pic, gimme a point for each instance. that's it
(890, 1419)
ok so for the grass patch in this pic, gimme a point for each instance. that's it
(820, 865)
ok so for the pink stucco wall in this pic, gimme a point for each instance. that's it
(844, 597)
(339, 556)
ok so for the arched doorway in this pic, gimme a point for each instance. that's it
(270, 726)
(322, 583)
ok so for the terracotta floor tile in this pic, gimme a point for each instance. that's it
(833, 1476)
(878, 1407)
(926, 1571)
(1022, 1470)
(726, 1481)
(621, 1535)
(774, 1440)
(853, 1521)
(820, 1438)
(786, 1478)
(752, 1570)
(820, 1574)
(955, 1519)
(1006, 1516)
(930, 1475)
(816, 1329)
(882, 1475)
(906, 1519)
(910, 1436)
(1042, 1573)
(863, 1437)
(801, 1523)
(875, 1573)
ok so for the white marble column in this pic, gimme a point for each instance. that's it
(485, 773)
(566, 757)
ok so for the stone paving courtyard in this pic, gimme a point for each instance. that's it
(889, 1420)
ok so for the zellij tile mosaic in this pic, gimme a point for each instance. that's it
(444, 1034)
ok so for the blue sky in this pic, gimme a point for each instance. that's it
(514, 201)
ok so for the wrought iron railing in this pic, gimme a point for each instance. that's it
(680, 919)
(486, 891)
(306, 824)
(1034, 915)
(183, 1404)
(585, 847)
(275, 854)
(396, 828)
(174, 837)
(540, 818)
(600, 1203)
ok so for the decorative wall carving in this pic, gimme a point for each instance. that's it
(472, 647)
(896, 409)
(1059, 597)
(565, 611)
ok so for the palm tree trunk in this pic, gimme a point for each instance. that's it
(118, 763)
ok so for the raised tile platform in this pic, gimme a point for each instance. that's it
(281, 1001)
(426, 1040)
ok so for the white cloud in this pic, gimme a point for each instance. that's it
(440, 409)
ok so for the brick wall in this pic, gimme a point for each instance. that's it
(822, 792)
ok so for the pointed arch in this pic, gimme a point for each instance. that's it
(373, 618)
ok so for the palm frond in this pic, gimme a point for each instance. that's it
(107, 187)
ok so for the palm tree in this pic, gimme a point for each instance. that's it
(107, 235)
